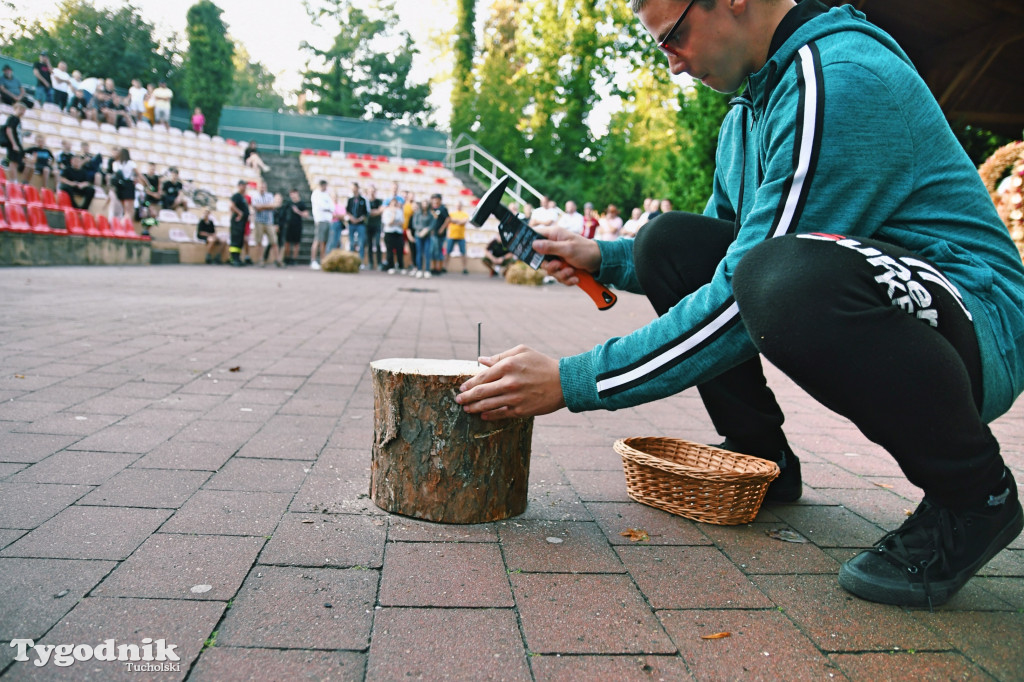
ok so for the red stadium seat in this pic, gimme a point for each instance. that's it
(16, 217)
(73, 222)
(403, 169)
(351, 155)
(365, 174)
(358, 164)
(49, 201)
(233, 143)
(64, 200)
(438, 164)
(384, 159)
(418, 171)
(422, 162)
(441, 181)
(4, 225)
(37, 220)
(103, 225)
(367, 157)
(465, 191)
(323, 152)
(118, 229)
(3, 175)
(307, 152)
(89, 223)
(31, 196)
(15, 195)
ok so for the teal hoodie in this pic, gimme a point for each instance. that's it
(837, 133)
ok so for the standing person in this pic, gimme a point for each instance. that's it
(373, 221)
(295, 211)
(198, 120)
(42, 71)
(206, 232)
(357, 210)
(123, 178)
(394, 243)
(265, 203)
(457, 237)
(571, 220)
(408, 209)
(149, 104)
(438, 233)
(63, 84)
(137, 99)
(337, 220)
(422, 226)
(162, 97)
(239, 218)
(323, 213)
(902, 309)
(590, 221)
(610, 224)
(11, 141)
(546, 214)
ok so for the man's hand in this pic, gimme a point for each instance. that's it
(517, 383)
(572, 251)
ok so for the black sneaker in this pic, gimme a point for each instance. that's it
(788, 487)
(934, 553)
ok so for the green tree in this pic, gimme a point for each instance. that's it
(103, 42)
(253, 84)
(208, 69)
(365, 71)
(462, 75)
(692, 168)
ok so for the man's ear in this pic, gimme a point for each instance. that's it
(738, 7)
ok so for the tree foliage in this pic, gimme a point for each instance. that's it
(464, 48)
(253, 84)
(364, 73)
(208, 69)
(98, 41)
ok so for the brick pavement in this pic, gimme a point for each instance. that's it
(185, 451)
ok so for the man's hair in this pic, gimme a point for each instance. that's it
(637, 5)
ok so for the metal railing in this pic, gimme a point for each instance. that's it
(467, 155)
(290, 141)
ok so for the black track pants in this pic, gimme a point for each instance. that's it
(876, 334)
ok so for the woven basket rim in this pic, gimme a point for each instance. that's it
(762, 468)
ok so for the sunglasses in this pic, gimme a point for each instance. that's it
(664, 44)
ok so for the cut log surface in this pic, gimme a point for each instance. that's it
(433, 461)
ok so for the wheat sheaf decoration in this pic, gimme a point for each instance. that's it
(1003, 175)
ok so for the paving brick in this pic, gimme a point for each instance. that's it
(120, 438)
(750, 548)
(599, 486)
(586, 614)
(289, 437)
(235, 433)
(1009, 562)
(838, 621)
(97, 378)
(583, 547)
(571, 668)
(663, 528)
(434, 644)
(180, 454)
(207, 385)
(336, 492)
(70, 424)
(9, 535)
(107, 404)
(223, 512)
(327, 540)
(762, 645)
(920, 666)
(279, 476)
(184, 624)
(65, 396)
(275, 382)
(690, 577)
(154, 488)
(286, 607)
(26, 505)
(75, 467)
(993, 641)
(29, 604)
(31, 447)
(89, 533)
(188, 402)
(237, 664)
(9, 469)
(828, 526)
(554, 501)
(1010, 590)
(241, 412)
(444, 575)
(23, 410)
(402, 529)
(169, 566)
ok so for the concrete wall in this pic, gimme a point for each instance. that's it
(26, 248)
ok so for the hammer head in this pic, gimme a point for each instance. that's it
(490, 204)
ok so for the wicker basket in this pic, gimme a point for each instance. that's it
(700, 482)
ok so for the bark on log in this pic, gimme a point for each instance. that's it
(433, 461)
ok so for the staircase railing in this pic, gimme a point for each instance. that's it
(466, 155)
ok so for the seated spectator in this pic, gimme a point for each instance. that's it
(93, 164)
(98, 105)
(206, 232)
(610, 224)
(77, 182)
(198, 121)
(64, 158)
(252, 158)
(171, 197)
(590, 221)
(77, 104)
(11, 141)
(11, 89)
(86, 85)
(118, 114)
(152, 194)
(43, 161)
(633, 225)
(497, 258)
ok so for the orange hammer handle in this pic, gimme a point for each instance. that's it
(601, 295)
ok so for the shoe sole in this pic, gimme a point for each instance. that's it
(864, 586)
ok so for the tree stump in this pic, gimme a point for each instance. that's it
(433, 461)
